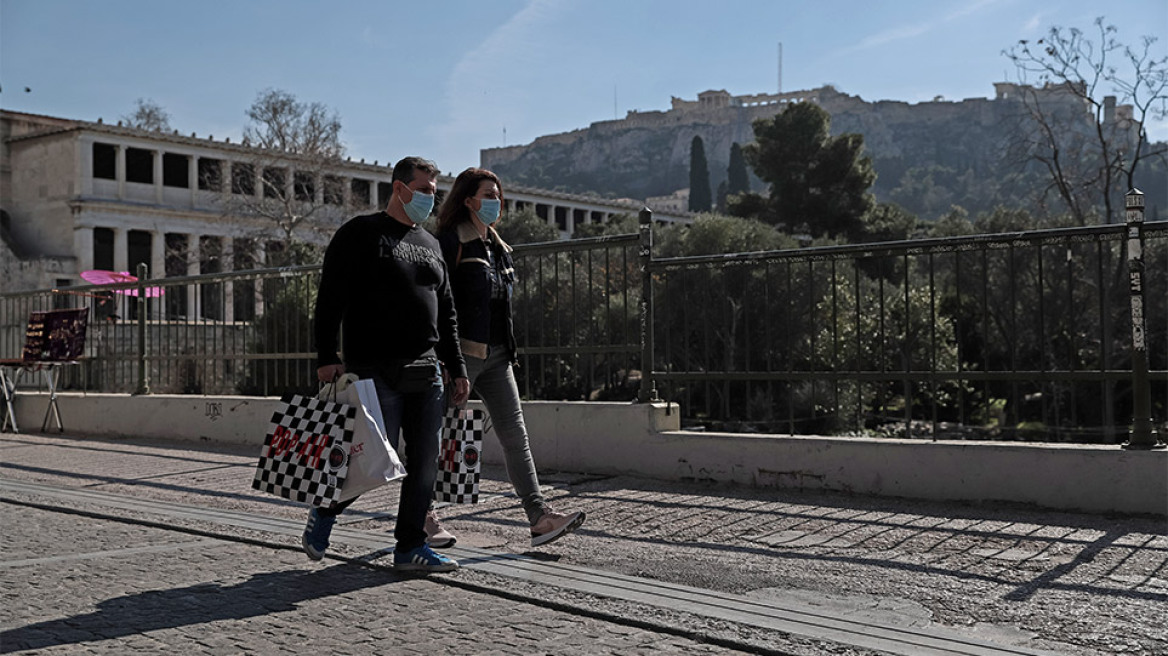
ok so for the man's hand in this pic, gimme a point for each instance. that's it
(330, 372)
(461, 391)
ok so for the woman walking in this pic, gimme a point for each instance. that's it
(482, 278)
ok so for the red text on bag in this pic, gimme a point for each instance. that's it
(308, 446)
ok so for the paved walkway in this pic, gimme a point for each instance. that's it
(140, 547)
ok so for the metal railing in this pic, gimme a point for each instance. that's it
(576, 319)
(246, 332)
(1021, 335)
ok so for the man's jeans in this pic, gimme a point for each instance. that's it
(418, 418)
(494, 381)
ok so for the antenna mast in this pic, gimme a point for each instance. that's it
(780, 66)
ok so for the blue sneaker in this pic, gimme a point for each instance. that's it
(316, 534)
(423, 559)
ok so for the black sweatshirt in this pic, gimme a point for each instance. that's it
(385, 283)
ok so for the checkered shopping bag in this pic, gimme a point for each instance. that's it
(306, 450)
(458, 461)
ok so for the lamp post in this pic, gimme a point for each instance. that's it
(143, 376)
(1143, 435)
(648, 391)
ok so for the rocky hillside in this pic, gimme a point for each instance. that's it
(928, 155)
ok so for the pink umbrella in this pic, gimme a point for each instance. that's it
(102, 277)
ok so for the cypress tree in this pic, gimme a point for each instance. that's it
(699, 177)
(737, 181)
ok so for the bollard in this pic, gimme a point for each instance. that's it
(143, 381)
(648, 391)
(1143, 435)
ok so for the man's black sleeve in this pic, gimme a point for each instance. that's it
(449, 350)
(336, 281)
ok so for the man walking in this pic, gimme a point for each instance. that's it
(384, 285)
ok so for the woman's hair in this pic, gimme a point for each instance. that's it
(466, 185)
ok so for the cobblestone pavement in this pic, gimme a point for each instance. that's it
(1063, 582)
(81, 585)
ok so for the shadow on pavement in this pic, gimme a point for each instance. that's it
(270, 592)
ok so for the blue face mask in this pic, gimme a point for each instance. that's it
(419, 206)
(489, 210)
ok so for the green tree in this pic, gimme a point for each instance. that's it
(720, 198)
(818, 183)
(285, 326)
(617, 224)
(930, 189)
(889, 222)
(955, 223)
(737, 178)
(525, 227)
(714, 314)
(713, 234)
(699, 177)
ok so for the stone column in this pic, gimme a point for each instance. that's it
(226, 265)
(85, 169)
(83, 247)
(156, 159)
(120, 170)
(121, 250)
(121, 263)
(194, 298)
(261, 255)
(158, 265)
(157, 254)
(193, 178)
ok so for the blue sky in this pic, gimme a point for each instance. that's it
(444, 78)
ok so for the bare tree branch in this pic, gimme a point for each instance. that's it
(1091, 154)
(148, 115)
(291, 184)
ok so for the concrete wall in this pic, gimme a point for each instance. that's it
(31, 273)
(43, 180)
(644, 440)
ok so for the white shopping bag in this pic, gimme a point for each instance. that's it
(372, 461)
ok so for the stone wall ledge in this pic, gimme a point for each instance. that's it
(645, 440)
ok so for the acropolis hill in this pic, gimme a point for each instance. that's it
(647, 152)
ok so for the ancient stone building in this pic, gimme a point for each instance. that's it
(646, 154)
(79, 195)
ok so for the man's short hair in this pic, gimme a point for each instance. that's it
(404, 170)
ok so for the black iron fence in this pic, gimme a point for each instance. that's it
(246, 332)
(1017, 336)
(1024, 335)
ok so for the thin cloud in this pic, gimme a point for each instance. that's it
(482, 95)
(909, 31)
